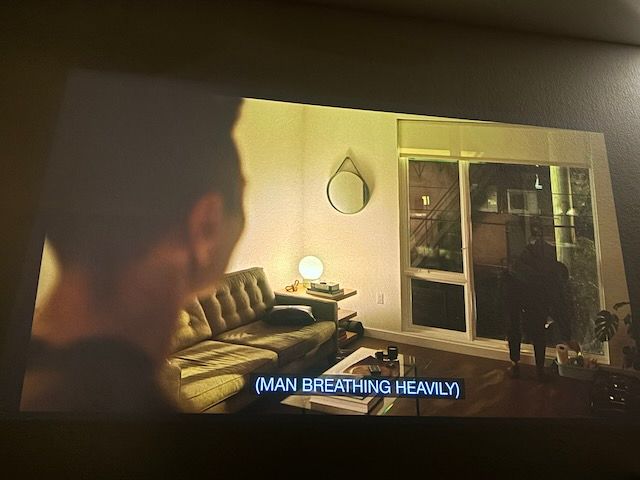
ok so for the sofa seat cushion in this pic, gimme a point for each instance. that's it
(289, 342)
(214, 371)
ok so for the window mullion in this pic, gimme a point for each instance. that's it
(467, 252)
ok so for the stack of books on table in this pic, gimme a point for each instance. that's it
(320, 293)
(347, 404)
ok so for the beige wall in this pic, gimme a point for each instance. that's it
(612, 274)
(362, 250)
(289, 153)
(270, 142)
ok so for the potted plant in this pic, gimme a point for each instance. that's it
(606, 325)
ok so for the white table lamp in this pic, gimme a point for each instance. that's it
(310, 268)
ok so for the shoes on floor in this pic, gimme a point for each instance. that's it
(514, 371)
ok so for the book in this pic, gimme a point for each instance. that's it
(325, 294)
(327, 404)
(325, 286)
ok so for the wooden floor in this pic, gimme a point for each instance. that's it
(489, 389)
(490, 392)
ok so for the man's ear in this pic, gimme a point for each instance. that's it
(205, 227)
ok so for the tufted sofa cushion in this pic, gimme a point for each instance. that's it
(289, 342)
(238, 299)
(192, 327)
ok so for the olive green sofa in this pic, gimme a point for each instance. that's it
(221, 340)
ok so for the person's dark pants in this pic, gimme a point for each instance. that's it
(533, 322)
(528, 315)
(560, 314)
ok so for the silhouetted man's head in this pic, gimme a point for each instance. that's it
(137, 161)
(537, 229)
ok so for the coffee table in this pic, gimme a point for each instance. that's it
(385, 406)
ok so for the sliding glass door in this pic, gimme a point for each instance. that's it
(525, 218)
(474, 230)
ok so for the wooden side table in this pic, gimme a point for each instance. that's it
(343, 313)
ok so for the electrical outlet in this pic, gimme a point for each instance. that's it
(380, 298)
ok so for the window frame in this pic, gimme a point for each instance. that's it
(466, 277)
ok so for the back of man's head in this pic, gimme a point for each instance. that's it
(130, 157)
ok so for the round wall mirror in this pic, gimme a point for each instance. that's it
(347, 191)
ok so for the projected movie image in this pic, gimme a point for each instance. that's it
(214, 254)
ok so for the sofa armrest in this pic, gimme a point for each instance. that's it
(170, 380)
(323, 309)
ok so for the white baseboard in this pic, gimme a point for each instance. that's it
(418, 340)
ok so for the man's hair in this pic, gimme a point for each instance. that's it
(130, 157)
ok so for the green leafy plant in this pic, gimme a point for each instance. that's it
(607, 324)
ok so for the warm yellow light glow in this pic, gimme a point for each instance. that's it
(310, 268)
(436, 152)
(471, 153)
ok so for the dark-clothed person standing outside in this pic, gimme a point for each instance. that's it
(535, 289)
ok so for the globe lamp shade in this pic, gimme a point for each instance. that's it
(310, 268)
